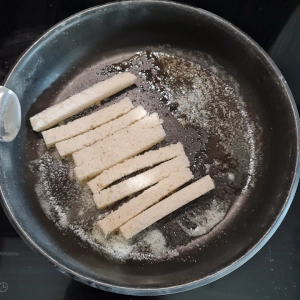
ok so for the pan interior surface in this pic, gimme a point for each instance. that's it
(217, 93)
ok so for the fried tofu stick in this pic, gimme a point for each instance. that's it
(167, 206)
(84, 124)
(115, 141)
(79, 102)
(120, 151)
(148, 198)
(134, 164)
(86, 139)
(139, 182)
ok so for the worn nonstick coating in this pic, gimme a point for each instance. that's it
(112, 31)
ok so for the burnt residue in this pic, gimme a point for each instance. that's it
(202, 108)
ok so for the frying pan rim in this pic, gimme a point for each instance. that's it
(226, 270)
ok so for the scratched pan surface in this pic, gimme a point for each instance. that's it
(217, 92)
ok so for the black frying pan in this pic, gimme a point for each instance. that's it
(255, 201)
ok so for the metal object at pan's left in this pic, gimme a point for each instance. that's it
(10, 115)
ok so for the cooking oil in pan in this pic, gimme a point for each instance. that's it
(202, 108)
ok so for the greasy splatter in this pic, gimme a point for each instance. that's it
(202, 107)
